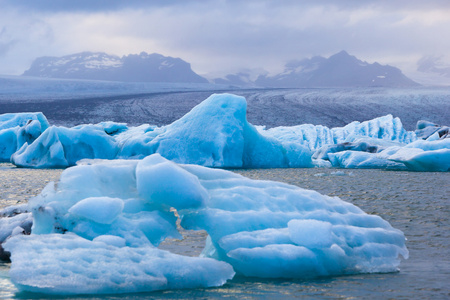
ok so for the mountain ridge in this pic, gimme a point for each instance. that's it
(338, 70)
(141, 67)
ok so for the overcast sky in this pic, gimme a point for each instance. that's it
(226, 36)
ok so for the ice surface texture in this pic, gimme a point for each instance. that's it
(216, 133)
(96, 231)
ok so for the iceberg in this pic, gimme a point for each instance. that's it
(421, 155)
(216, 134)
(429, 131)
(12, 120)
(68, 264)
(98, 229)
(60, 147)
(19, 129)
(386, 128)
(362, 160)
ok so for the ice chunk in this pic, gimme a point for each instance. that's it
(14, 220)
(323, 152)
(8, 224)
(231, 142)
(386, 128)
(63, 147)
(19, 129)
(68, 264)
(371, 145)
(422, 155)
(425, 129)
(362, 160)
(12, 120)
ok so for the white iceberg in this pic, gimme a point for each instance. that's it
(386, 128)
(96, 231)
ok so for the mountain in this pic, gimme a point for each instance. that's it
(339, 70)
(141, 67)
(244, 78)
(432, 71)
(433, 64)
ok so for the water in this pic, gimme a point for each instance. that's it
(416, 203)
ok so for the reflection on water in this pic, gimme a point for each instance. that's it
(416, 203)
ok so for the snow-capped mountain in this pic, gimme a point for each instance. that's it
(433, 64)
(141, 67)
(432, 70)
(339, 70)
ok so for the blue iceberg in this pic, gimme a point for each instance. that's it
(216, 134)
(19, 129)
(98, 229)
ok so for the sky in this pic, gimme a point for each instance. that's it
(221, 37)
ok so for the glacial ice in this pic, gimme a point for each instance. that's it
(216, 133)
(60, 147)
(12, 120)
(65, 264)
(362, 160)
(96, 231)
(421, 155)
(386, 128)
(18, 129)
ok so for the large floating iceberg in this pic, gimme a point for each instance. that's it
(216, 133)
(96, 231)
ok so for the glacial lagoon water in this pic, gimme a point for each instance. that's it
(416, 203)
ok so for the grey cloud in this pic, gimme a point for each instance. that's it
(113, 5)
(5, 47)
(225, 34)
(86, 5)
(6, 42)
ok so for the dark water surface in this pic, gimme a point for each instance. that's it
(416, 203)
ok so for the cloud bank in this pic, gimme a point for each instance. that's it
(225, 36)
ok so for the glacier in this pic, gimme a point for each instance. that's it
(216, 134)
(98, 229)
